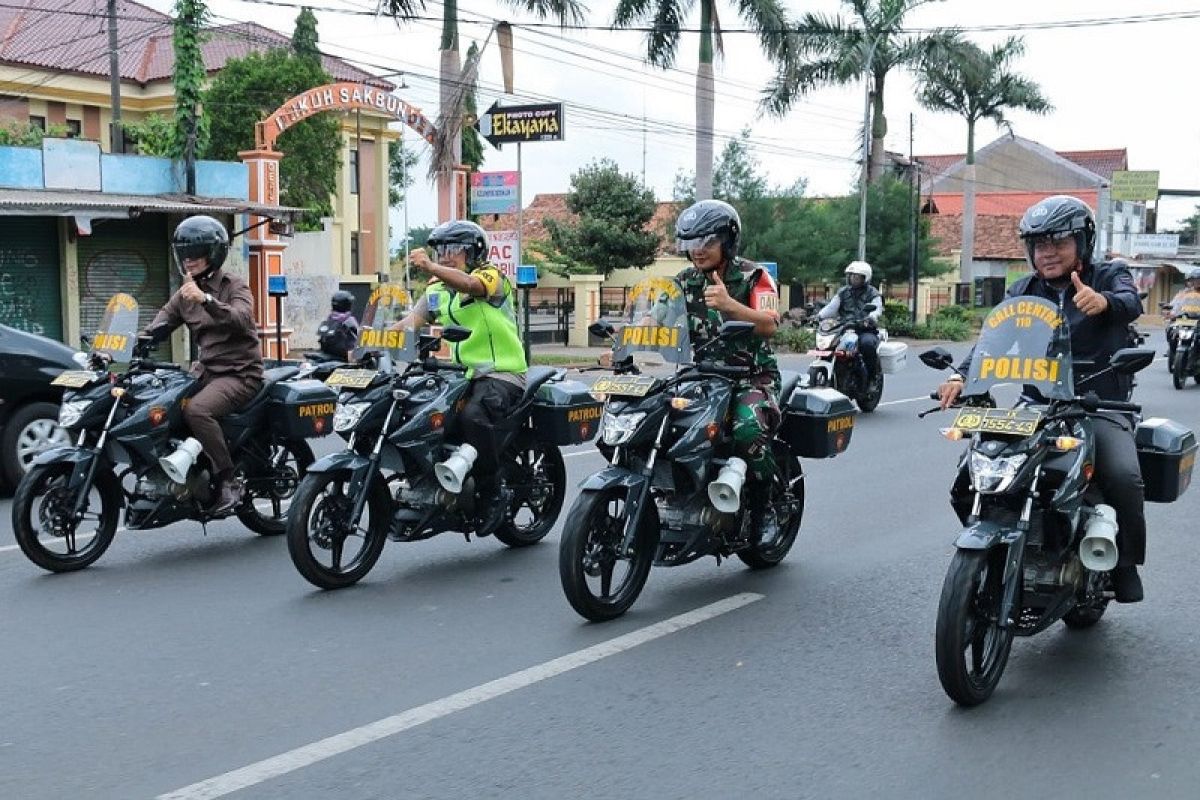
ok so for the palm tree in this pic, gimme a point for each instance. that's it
(977, 85)
(833, 51)
(665, 18)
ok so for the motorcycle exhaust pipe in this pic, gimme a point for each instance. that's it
(1098, 549)
(178, 464)
(725, 492)
(452, 472)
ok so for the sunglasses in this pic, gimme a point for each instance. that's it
(440, 251)
(1051, 239)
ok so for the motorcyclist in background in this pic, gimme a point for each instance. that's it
(338, 334)
(1186, 298)
(849, 303)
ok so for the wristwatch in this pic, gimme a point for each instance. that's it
(208, 298)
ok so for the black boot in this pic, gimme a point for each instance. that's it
(492, 510)
(228, 495)
(1127, 585)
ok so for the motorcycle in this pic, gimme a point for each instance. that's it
(673, 490)
(1182, 359)
(1038, 541)
(405, 474)
(839, 364)
(133, 452)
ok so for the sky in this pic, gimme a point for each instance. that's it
(1114, 85)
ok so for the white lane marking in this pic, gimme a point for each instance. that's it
(83, 536)
(307, 755)
(582, 453)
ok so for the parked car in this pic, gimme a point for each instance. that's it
(28, 403)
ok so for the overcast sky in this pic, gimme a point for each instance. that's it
(1119, 85)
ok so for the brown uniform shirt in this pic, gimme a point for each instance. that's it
(223, 330)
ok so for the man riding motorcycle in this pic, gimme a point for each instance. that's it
(466, 290)
(218, 309)
(1098, 301)
(849, 303)
(1189, 295)
(721, 286)
(339, 332)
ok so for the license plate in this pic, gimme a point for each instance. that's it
(74, 378)
(1185, 322)
(1013, 422)
(820, 353)
(628, 386)
(351, 378)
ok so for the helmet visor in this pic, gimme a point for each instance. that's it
(192, 250)
(699, 243)
(1049, 240)
(441, 251)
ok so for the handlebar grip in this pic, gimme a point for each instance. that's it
(148, 364)
(934, 395)
(1117, 405)
(722, 369)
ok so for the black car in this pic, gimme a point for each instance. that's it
(28, 403)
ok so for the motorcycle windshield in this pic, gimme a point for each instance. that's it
(387, 326)
(118, 329)
(1188, 303)
(655, 321)
(1024, 341)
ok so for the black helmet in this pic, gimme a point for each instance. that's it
(342, 300)
(1060, 214)
(472, 238)
(709, 218)
(201, 237)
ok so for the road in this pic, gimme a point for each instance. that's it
(184, 665)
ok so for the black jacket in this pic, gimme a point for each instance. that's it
(1092, 338)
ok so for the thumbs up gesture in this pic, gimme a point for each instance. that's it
(1087, 299)
(190, 291)
(715, 294)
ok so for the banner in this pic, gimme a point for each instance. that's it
(505, 252)
(495, 192)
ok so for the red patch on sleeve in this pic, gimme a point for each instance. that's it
(763, 295)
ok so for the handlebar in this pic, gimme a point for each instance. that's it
(1092, 403)
(147, 364)
(711, 368)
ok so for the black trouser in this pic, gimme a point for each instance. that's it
(484, 420)
(1120, 480)
(219, 396)
(868, 346)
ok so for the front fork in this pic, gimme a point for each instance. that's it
(1015, 555)
(361, 491)
(85, 486)
(636, 499)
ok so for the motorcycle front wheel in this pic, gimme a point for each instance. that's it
(1179, 370)
(971, 648)
(589, 555)
(271, 487)
(869, 400)
(43, 521)
(319, 529)
(537, 477)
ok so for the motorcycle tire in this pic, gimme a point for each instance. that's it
(538, 480)
(873, 394)
(47, 482)
(1179, 371)
(591, 536)
(309, 509)
(277, 488)
(764, 555)
(971, 657)
(1082, 617)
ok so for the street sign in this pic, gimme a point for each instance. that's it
(1154, 244)
(1138, 185)
(495, 192)
(277, 286)
(505, 252)
(517, 124)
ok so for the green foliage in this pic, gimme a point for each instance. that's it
(305, 42)
(472, 142)
(793, 339)
(420, 236)
(612, 211)
(24, 134)
(401, 165)
(896, 318)
(154, 135)
(191, 128)
(954, 312)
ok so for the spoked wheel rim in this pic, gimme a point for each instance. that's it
(47, 530)
(789, 511)
(537, 479)
(972, 647)
(599, 580)
(269, 492)
(602, 560)
(334, 545)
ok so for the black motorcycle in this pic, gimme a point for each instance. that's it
(673, 490)
(1038, 541)
(133, 451)
(405, 472)
(1182, 359)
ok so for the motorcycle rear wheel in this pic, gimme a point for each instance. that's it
(970, 647)
(768, 554)
(318, 524)
(538, 479)
(41, 506)
(591, 538)
(276, 487)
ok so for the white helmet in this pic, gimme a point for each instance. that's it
(859, 268)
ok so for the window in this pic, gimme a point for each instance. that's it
(37, 122)
(1118, 206)
(74, 129)
(354, 171)
(354, 266)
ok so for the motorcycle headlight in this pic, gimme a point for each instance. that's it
(618, 429)
(1186, 333)
(825, 341)
(993, 475)
(70, 412)
(348, 415)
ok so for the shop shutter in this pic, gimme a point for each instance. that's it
(124, 255)
(30, 293)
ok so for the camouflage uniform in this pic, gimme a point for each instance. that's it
(756, 414)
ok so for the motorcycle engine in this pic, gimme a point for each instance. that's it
(155, 486)
(1046, 573)
(698, 512)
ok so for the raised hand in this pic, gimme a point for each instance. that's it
(190, 291)
(715, 294)
(1087, 299)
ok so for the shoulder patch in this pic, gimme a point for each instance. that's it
(763, 294)
(492, 280)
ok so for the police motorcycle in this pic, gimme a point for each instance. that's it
(1183, 361)
(1038, 541)
(839, 364)
(133, 452)
(672, 492)
(405, 474)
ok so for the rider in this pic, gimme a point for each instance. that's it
(339, 332)
(1189, 295)
(1098, 302)
(720, 286)
(218, 309)
(849, 303)
(466, 290)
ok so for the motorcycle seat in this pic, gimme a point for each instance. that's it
(788, 382)
(534, 378)
(270, 378)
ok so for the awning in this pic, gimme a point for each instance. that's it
(86, 206)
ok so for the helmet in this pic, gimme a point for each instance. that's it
(342, 301)
(201, 237)
(705, 219)
(461, 233)
(1194, 275)
(1062, 215)
(859, 268)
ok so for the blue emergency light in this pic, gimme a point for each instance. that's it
(526, 276)
(277, 285)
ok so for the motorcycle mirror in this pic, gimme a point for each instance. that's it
(456, 334)
(1164, 306)
(1143, 295)
(937, 358)
(734, 327)
(601, 329)
(425, 342)
(1130, 360)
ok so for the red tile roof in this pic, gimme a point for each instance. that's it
(1101, 162)
(554, 206)
(996, 236)
(68, 36)
(1006, 203)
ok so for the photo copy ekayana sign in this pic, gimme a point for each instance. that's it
(505, 252)
(495, 192)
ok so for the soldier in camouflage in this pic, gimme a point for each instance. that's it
(720, 286)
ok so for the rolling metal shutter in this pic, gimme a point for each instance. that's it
(30, 293)
(124, 255)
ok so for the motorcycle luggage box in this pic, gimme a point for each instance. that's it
(1166, 453)
(818, 423)
(564, 412)
(893, 357)
(301, 409)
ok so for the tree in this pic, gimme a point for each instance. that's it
(154, 135)
(612, 211)
(191, 130)
(832, 51)
(305, 42)
(472, 142)
(665, 21)
(977, 85)
(25, 134)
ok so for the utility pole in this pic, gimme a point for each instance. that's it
(913, 205)
(117, 135)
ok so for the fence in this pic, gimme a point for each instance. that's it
(550, 314)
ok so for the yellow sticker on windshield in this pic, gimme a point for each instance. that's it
(387, 339)
(110, 342)
(649, 336)
(1017, 368)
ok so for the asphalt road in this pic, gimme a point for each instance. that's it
(458, 670)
